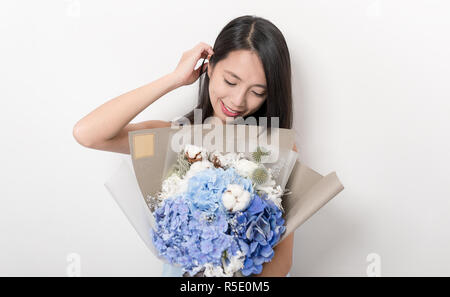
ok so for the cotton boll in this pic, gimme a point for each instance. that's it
(226, 160)
(192, 150)
(228, 200)
(243, 200)
(195, 153)
(235, 189)
(235, 198)
(197, 167)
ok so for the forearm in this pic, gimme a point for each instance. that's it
(278, 267)
(107, 120)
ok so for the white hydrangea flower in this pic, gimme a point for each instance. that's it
(172, 185)
(235, 198)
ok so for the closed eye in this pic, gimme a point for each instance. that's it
(229, 83)
(257, 94)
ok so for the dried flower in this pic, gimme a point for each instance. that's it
(260, 175)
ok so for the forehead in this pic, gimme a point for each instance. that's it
(245, 64)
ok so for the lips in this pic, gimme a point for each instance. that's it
(228, 111)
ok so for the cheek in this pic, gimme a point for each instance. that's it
(216, 92)
(255, 103)
(220, 90)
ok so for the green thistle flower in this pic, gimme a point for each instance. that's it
(259, 154)
(260, 175)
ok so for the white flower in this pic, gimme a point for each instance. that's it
(245, 167)
(197, 167)
(235, 198)
(193, 150)
(228, 159)
(212, 270)
(235, 264)
(273, 193)
(172, 185)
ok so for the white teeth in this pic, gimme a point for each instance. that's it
(230, 110)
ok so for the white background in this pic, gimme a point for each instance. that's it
(371, 91)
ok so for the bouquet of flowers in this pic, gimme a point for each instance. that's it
(215, 212)
(218, 214)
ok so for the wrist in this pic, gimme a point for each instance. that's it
(175, 80)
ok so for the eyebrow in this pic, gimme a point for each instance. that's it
(233, 74)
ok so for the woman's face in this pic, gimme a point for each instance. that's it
(237, 85)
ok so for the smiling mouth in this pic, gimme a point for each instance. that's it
(228, 111)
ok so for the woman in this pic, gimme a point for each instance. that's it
(248, 74)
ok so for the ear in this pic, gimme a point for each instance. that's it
(209, 71)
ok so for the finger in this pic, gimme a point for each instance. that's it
(197, 72)
(205, 47)
(205, 66)
(200, 70)
(204, 55)
(206, 58)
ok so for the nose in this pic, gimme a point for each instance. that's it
(239, 100)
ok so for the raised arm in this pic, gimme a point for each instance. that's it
(101, 126)
(107, 126)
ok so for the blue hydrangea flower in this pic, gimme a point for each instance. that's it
(260, 227)
(192, 228)
(206, 188)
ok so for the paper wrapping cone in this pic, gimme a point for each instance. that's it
(123, 187)
(310, 191)
(152, 155)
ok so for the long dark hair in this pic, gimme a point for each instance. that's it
(265, 39)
